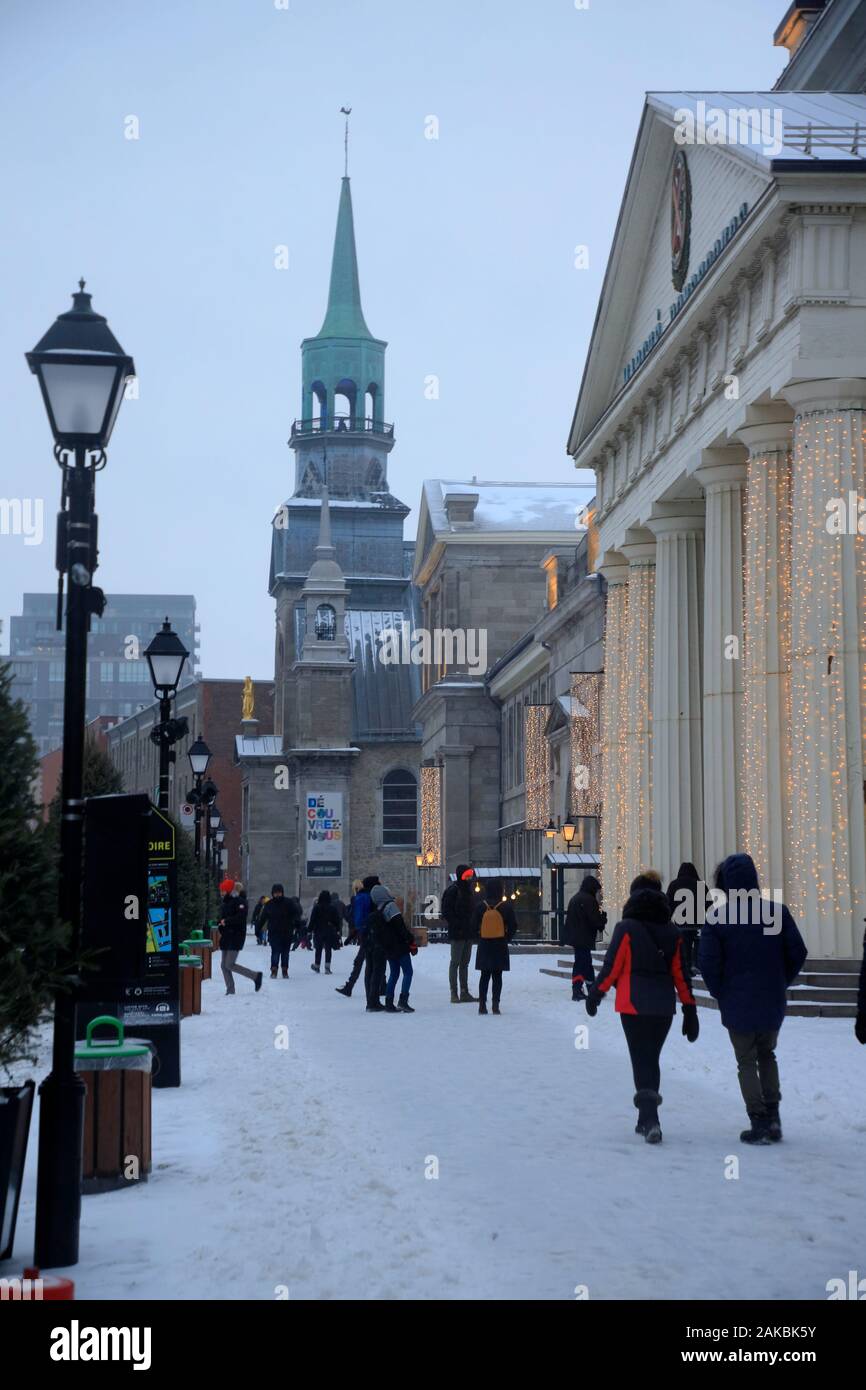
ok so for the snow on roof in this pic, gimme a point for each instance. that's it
(783, 126)
(514, 506)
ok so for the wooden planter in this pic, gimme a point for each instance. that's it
(190, 973)
(117, 1111)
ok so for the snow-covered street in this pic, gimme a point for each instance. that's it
(305, 1169)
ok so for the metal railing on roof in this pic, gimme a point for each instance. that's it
(353, 424)
(850, 139)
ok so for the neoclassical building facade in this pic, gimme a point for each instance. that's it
(722, 409)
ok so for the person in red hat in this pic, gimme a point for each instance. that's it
(458, 908)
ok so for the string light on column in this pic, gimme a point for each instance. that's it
(536, 767)
(613, 746)
(586, 736)
(431, 816)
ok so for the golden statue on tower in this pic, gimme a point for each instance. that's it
(247, 710)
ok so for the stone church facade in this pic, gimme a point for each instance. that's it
(330, 792)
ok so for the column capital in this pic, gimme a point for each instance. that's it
(685, 517)
(828, 393)
(639, 546)
(720, 468)
(765, 428)
(614, 567)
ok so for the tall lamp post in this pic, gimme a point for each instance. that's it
(166, 655)
(199, 757)
(81, 369)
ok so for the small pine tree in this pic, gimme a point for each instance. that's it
(99, 778)
(30, 934)
(191, 890)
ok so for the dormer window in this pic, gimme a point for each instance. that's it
(326, 623)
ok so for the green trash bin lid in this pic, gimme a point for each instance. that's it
(93, 1048)
(198, 941)
(191, 961)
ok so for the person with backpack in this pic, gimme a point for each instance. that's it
(750, 952)
(280, 917)
(324, 925)
(494, 925)
(584, 924)
(393, 938)
(233, 934)
(644, 960)
(362, 906)
(458, 909)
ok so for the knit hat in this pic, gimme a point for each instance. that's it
(384, 901)
(227, 885)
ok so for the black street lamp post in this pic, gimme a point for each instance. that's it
(199, 757)
(82, 370)
(166, 655)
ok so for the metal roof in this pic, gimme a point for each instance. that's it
(583, 860)
(792, 126)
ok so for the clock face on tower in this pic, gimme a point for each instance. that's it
(681, 219)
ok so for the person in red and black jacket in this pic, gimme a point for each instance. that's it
(645, 962)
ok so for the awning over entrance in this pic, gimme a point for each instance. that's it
(584, 860)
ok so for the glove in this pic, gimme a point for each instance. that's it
(413, 949)
(860, 1028)
(691, 1026)
(593, 999)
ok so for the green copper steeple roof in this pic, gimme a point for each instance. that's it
(344, 317)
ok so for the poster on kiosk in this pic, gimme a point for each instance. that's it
(130, 925)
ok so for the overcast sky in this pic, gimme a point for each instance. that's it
(466, 244)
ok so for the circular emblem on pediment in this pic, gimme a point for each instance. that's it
(681, 219)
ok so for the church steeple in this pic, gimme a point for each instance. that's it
(324, 595)
(344, 317)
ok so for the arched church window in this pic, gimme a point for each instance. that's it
(400, 808)
(371, 412)
(326, 623)
(345, 404)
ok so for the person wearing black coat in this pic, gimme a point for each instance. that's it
(257, 916)
(491, 955)
(687, 900)
(584, 923)
(644, 961)
(750, 952)
(397, 944)
(458, 909)
(280, 917)
(233, 934)
(324, 925)
(860, 1020)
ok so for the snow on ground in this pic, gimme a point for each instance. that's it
(305, 1167)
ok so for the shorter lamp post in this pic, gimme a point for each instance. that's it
(220, 837)
(199, 757)
(166, 655)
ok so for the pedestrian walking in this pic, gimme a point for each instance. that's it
(687, 900)
(281, 917)
(394, 938)
(494, 925)
(362, 906)
(458, 909)
(584, 924)
(233, 935)
(257, 920)
(352, 935)
(750, 952)
(644, 961)
(324, 927)
(860, 1020)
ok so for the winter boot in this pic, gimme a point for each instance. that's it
(376, 1008)
(759, 1132)
(647, 1103)
(344, 989)
(327, 969)
(404, 1006)
(467, 998)
(774, 1124)
(577, 993)
(285, 974)
(482, 1007)
(455, 997)
(273, 972)
(258, 982)
(315, 967)
(495, 1009)
(390, 1006)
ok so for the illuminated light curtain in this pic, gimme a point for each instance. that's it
(431, 815)
(638, 712)
(586, 743)
(766, 742)
(613, 866)
(827, 684)
(536, 762)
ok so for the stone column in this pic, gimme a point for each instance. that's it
(614, 742)
(640, 551)
(722, 475)
(766, 739)
(828, 664)
(678, 800)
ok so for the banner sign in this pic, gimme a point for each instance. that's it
(324, 832)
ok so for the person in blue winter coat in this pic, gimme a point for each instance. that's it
(750, 951)
(362, 906)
